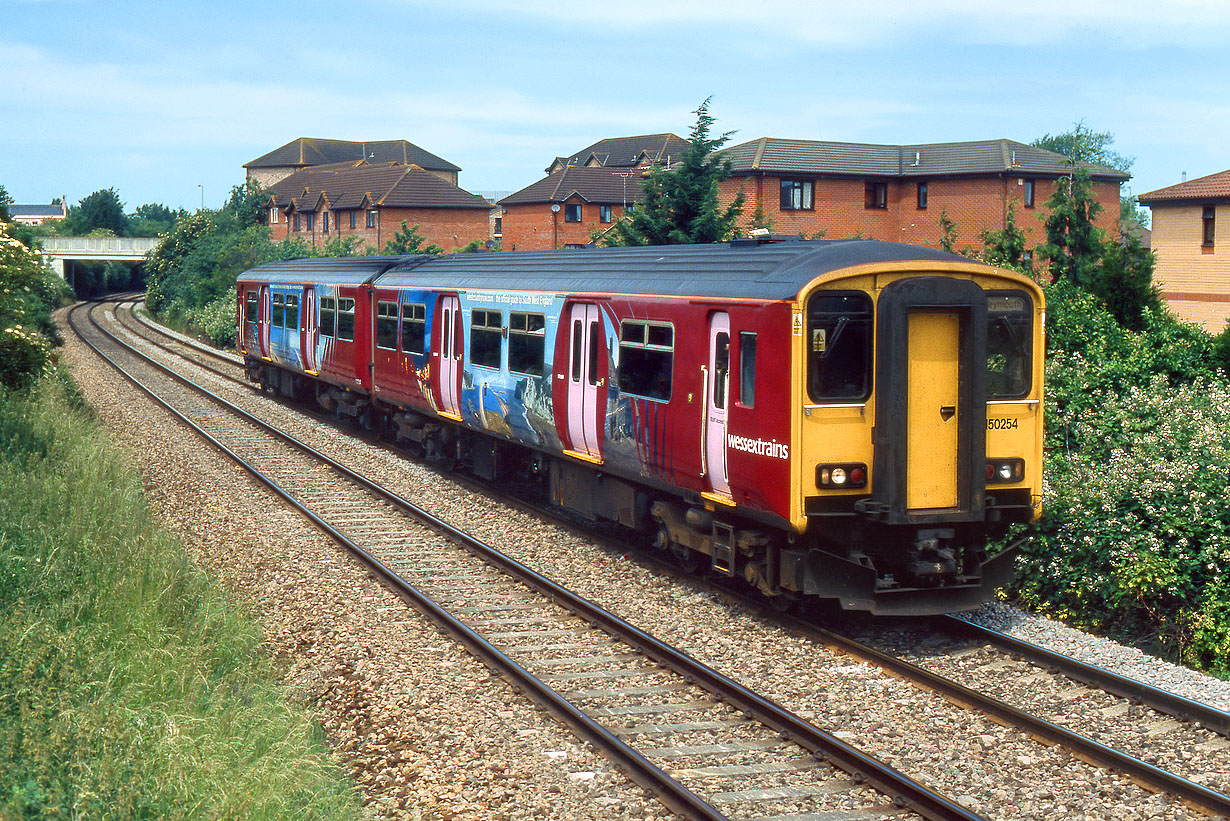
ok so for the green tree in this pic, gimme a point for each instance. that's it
(153, 220)
(1006, 247)
(1124, 281)
(948, 242)
(101, 210)
(1073, 242)
(5, 202)
(409, 241)
(248, 203)
(1084, 145)
(681, 203)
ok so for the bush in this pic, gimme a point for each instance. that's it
(215, 321)
(25, 357)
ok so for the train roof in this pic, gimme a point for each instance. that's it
(323, 271)
(745, 269)
(741, 269)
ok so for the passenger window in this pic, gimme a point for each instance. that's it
(721, 369)
(345, 320)
(747, 369)
(646, 359)
(414, 328)
(250, 303)
(1009, 344)
(839, 345)
(595, 344)
(386, 325)
(328, 316)
(278, 319)
(526, 343)
(292, 312)
(486, 336)
(578, 341)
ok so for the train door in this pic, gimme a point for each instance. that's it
(251, 319)
(585, 411)
(716, 396)
(932, 391)
(266, 317)
(451, 347)
(308, 327)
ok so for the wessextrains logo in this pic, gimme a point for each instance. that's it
(758, 447)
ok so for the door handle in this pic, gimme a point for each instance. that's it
(947, 412)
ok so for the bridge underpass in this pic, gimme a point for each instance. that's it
(63, 252)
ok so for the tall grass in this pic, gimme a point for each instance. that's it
(130, 687)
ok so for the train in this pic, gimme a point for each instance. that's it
(853, 421)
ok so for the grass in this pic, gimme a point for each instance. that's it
(130, 685)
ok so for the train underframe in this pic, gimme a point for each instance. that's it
(849, 558)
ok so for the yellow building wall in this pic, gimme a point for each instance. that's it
(1194, 280)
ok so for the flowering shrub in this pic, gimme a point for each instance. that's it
(215, 320)
(28, 290)
(25, 357)
(1135, 536)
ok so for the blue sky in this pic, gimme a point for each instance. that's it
(165, 102)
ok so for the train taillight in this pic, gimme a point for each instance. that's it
(840, 477)
(1004, 471)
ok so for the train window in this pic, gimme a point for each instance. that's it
(526, 343)
(578, 340)
(1009, 344)
(747, 369)
(250, 303)
(486, 337)
(278, 318)
(292, 312)
(414, 328)
(646, 359)
(839, 337)
(345, 319)
(595, 345)
(721, 369)
(386, 325)
(328, 316)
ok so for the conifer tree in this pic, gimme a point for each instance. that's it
(681, 202)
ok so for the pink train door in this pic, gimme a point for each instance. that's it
(450, 356)
(266, 315)
(584, 380)
(717, 394)
(307, 342)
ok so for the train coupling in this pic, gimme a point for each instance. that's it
(928, 561)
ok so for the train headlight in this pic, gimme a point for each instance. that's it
(841, 477)
(1004, 471)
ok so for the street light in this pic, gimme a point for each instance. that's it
(198, 185)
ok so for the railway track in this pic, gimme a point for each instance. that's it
(1155, 778)
(648, 706)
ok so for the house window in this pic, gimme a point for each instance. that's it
(273, 215)
(352, 213)
(386, 325)
(604, 213)
(499, 226)
(328, 316)
(345, 320)
(875, 195)
(372, 216)
(414, 328)
(572, 212)
(486, 337)
(796, 195)
(922, 196)
(296, 222)
(311, 220)
(324, 222)
(526, 343)
(1029, 193)
(646, 359)
(1209, 221)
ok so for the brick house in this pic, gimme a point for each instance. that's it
(306, 152)
(624, 152)
(568, 207)
(370, 201)
(38, 214)
(1193, 265)
(898, 192)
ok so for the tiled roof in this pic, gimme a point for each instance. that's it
(344, 186)
(1213, 187)
(624, 152)
(37, 211)
(769, 154)
(309, 151)
(598, 185)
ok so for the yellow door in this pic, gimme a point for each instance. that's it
(932, 390)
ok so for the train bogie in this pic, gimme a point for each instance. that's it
(834, 420)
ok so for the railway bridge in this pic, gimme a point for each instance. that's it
(62, 252)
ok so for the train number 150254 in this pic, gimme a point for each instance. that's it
(1001, 424)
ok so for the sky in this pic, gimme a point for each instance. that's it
(165, 101)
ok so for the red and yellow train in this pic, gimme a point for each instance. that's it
(847, 420)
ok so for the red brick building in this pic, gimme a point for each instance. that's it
(569, 207)
(370, 201)
(898, 192)
(308, 152)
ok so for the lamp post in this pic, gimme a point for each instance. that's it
(198, 185)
